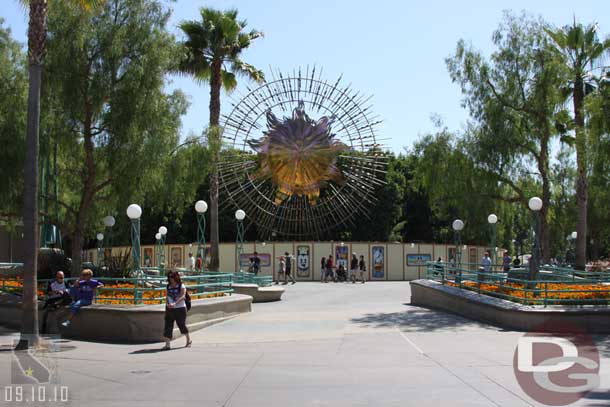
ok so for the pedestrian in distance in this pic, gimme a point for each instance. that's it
(362, 268)
(288, 269)
(322, 269)
(506, 260)
(256, 263)
(353, 268)
(486, 262)
(191, 262)
(341, 273)
(282, 271)
(329, 269)
(175, 309)
(199, 263)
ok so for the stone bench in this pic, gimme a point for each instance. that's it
(507, 314)
(259, 294)
(126, 323)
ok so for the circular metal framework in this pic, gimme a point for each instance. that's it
(359, 163)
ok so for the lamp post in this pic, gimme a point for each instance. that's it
(109, 222)
(239, 241)
(134, 212)
(100, 249)
(161, 246)
(158, 249)
(492, 219)
(535, 205)
(458, 226)
(573, 237)
(201, 208)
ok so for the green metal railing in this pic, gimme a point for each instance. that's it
(553, 286)
(139, 290)
(242, 277)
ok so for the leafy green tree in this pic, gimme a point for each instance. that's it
(37, 36)
(212, 54)
(451, 179)
(513, 100)
(580, 50)
(598, 107)
(117, 127)
(385, 212)
(13, 88)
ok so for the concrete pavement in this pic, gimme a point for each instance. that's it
(322, 345)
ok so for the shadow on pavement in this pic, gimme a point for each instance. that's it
(418, 320)
(145, 351)
(599, 398)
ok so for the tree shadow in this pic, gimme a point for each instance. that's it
(599, 398)
(417, 319)
(603, 345)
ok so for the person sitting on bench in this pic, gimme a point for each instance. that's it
(58, 292)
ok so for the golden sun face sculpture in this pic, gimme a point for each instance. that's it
(298, 155)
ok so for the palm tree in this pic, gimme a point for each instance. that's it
(37, 35)
(212, 54)
(580, 49)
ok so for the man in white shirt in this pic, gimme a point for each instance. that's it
(58, 294)
(57, 291)
(191, 262)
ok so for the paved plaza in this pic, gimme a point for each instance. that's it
(323, 345)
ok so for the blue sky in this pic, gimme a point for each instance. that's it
(394, 50)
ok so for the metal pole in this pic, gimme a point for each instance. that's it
(100, 253)
(201, 238)
(493, 243)
(535, 260)
(162, 253)
(135, 244)
(239, 242)
(458, 256)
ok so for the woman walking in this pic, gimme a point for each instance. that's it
(175, 309)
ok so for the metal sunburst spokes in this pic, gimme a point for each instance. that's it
(303, 156)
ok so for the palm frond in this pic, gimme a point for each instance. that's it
(248, 71)
(229, 82)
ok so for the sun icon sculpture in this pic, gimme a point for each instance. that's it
(298, 155)
(301, 156)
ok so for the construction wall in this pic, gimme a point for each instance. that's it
(384, 261)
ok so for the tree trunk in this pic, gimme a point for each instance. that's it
(36, 42)
(214, 131)
(77, 250)
(543, 168)
(581, 182)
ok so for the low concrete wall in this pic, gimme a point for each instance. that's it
(259, 294)
(127, 323)
(507, 314)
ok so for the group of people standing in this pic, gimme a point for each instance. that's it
(285, 272)
(329, 271)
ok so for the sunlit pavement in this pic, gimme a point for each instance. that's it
(323, 345)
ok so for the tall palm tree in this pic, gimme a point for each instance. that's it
(37, 36)
(212, 54)
(580, 49)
